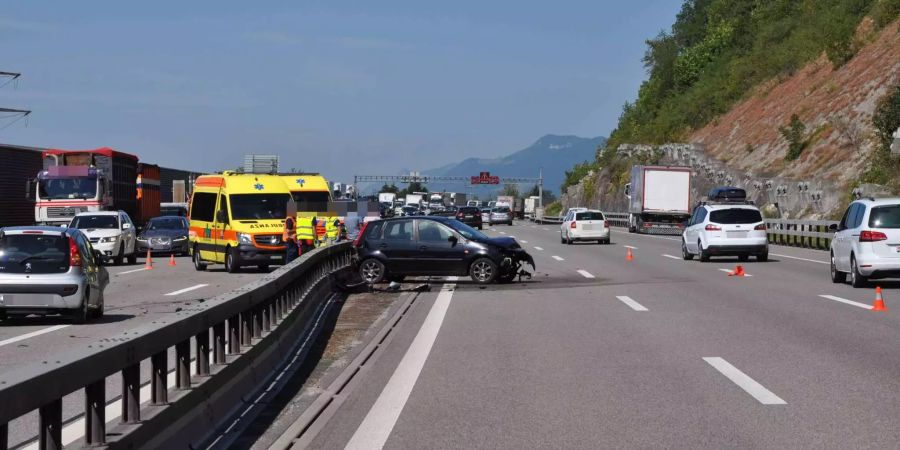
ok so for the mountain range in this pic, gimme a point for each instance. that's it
(551, 155)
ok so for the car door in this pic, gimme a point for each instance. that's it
(689, 238)
(438, 253)
(398, 245)
(854, 227)
(129, 233)
(220, 222)
(842, 239)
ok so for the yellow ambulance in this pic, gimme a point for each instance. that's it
(238, 219)
(311, 194)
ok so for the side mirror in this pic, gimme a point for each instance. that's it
(126, 226)
(833, 227)
(453, 240)
(221, 217)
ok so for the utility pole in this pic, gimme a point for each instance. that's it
(541, 186)
(22, 113)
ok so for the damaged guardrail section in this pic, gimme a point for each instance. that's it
(236, 340)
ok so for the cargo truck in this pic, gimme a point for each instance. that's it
(504, 200)
(531, 203)
(659, 199)
(414, 199)
(387, 197)
(76, 181)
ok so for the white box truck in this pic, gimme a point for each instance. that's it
(387, 197)
(414, 199)
(531, 203)
(659, 199)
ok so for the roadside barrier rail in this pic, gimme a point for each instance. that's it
(237, 339)
(800, 233)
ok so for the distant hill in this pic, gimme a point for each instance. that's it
(551, 154)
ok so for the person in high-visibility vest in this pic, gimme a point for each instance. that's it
(331, 228)
(306, 233)
(342, 231)
(289, 236)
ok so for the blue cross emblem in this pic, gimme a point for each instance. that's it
(258, 186)
(301, 181)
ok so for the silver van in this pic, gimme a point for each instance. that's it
(50, 270)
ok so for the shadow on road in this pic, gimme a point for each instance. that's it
(32, 321)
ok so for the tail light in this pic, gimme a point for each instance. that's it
(760, 227)
(477, 213)
(460, 216)
(872, 236)
(712, 227)
(359, 236)
(74, 256)
(573, 224)
(605, 224)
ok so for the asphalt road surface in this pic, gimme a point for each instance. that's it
(599, 352)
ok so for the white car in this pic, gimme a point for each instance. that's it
(725, 230)
(584, 225)
(112, 234)
(866, 242)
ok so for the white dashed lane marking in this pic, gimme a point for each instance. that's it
(845, 301)
(631, 303)
(188, 289)
(585, 273)
(539, 248)
(558, 258)
(758, 391)
(671, 256)
(729, 271)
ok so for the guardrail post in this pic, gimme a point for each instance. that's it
(202, 340)
(219, 343)
(50, 424)
(266, 310)
(159, 370)
(234, 335)
(95, 412)
(4, 436)
(245, 328)
(278, 307)
(131, 392)
(183, 365)
(256, 314)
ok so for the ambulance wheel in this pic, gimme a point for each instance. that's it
(230, 265)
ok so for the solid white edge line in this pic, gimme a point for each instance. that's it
(379, 422)
(801, 259)
(844, 300)
(524, 242)
(585, 273)
(132, 271)
(749, 385)
(558, 258)
(539, 248)
(671, 256)
(728, 271)
(13, 340)
(187, 289)
(631, 303)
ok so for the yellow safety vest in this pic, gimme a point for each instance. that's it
(305, 231)
(330, 229)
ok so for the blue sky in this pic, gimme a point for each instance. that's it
(339, 87)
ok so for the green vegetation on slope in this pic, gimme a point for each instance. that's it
(718, 50)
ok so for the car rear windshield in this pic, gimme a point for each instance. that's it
(501, 209)
(93, 222)
(735, 216)
(589, 216)
(885, 217)
(469, 210)
(34, 253)
(259, 206)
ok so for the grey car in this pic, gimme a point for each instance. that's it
(50, 270)
(166, 234)
(500, 214)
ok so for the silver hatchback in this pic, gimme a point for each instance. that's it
(500, 214)
(50, 270)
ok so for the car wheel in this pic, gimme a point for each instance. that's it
(132, 258)
(836, 275)
(230, 266)
(97, 313)
(857, 279)
(121, 256)
(762, 257)
(483, 271)
(371, 271)
(562, 239)
(704, 255)
(685, 254)
(83, 313)
(743, 258)
(199, 265)
(480, 227)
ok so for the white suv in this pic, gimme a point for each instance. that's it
(866, 243)
(586, 225)
(111, 233)
(725, 230)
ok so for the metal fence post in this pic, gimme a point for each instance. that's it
(159, 370)
(183, 365)
(131, 391)
(95, 412)
(219, 343)
(234, 335)
(245, 328)
(202, 340)
(50, 424)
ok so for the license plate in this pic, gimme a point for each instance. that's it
(735, 234)
(469, 216)
(275, 257)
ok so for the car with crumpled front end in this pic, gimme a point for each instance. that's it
(50, 270)
(165, 234)
(392, 249)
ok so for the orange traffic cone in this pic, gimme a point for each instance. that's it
(879, 301)
(172, 260)
(149, 264)
(629, 256)
(738, 271)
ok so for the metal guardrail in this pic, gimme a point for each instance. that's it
(247, 332)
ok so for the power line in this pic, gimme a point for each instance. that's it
(12, 112)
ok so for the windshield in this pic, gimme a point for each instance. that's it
(95, 222)
(34, 253)
(67, 188)
(465, 230)
(169, 223)
(259, 206)
(735, 216)
(311, 201)
(885, 217)
(173, 211)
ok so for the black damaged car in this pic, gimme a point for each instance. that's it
(393, 249)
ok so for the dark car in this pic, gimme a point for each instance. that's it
(470, 215)
(392, 249)
(165, 234)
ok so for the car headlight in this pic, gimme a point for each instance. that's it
(244, 238)
(180, 238)
(106, 240)
(142, 239)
